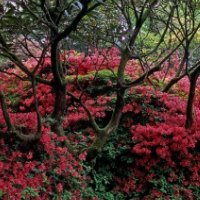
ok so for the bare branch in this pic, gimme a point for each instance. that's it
(91, 118)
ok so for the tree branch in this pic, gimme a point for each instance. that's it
(70, 28)
(95, 126)
(4, 108)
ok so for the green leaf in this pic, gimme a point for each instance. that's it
(1, 193)
(30, 191)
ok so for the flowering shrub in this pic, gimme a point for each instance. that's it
(157, 159)
(151, 155)
(45, 171)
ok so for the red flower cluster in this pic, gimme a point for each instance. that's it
(54, 170)
(155, 121)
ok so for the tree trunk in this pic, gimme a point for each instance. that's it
(59, 109)
(104, 135)
(59, 86)
(189, 109)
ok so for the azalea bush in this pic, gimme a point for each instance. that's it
(111, 115)
(47, 171)
(151, 156)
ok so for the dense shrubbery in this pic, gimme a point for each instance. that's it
(152, 155)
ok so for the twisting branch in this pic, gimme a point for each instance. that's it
(95, 126)
(33, 137)
(188, 35)
(152, 70)
(12, 129)
(12, 57)
(71, 27)
(14, 74)
(6, 116)
(163, 34)
(39, 18)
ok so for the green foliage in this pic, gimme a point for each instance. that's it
(1, 193)
(195, 190)
(162, 184)
(14, 98)
(30, 192)
(65, 196)
(104, 74)
(2, 60)
(111, 162)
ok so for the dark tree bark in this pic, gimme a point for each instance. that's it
(104, 134)
(189, 109)
(59, 86)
